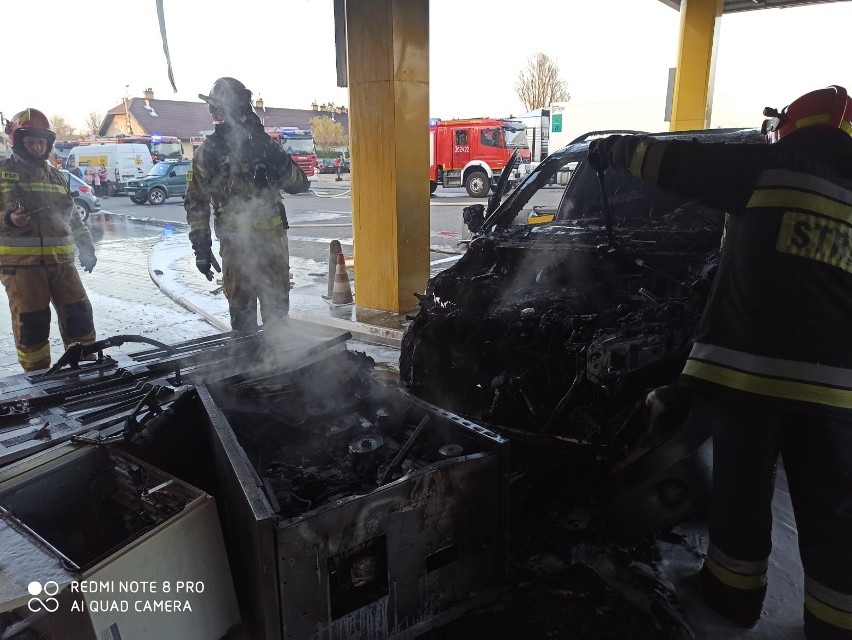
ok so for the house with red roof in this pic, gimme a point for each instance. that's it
(190, 120)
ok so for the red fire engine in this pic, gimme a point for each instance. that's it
(299, 145)
(473, 153)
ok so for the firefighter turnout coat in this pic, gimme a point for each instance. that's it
(56, 228)
(772, 363)
(37, 261)
(775, 325)
(241, 171)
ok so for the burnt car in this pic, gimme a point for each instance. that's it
(569, 336)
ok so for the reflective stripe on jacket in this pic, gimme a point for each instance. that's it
(55, 226)
(224, 173)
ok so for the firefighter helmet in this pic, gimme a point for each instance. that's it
(829, 107)
(228, 95)
(30, 122)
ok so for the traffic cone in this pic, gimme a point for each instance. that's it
(341, 293)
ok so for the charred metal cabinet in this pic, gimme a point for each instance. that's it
(386, 563)
(79, 560)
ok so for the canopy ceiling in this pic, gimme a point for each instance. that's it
(732, 6)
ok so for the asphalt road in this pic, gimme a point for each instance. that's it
(325, 214)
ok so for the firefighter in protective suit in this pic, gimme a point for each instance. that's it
(241, 171)
(771, 366)
(39, 228)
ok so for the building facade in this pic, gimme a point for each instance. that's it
(189, 120)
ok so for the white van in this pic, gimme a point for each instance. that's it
(123, 162)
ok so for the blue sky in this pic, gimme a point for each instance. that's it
(284, 51)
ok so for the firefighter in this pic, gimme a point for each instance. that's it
(240, 170)
(38, 231)
(771, 366)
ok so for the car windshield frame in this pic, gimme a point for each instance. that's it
(577, 152)
(160, 169)
(515, 138)
(299, 146)
(167, 149)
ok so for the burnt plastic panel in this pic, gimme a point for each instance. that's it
(101, 518)
(88, 509)
(370, 510)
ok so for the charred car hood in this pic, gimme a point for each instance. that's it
(550, 333)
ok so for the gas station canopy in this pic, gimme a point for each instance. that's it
(733, 6)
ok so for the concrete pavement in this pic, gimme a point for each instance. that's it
(124, 300)
(172, 269)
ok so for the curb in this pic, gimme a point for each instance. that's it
(186, 304)
(361, 330)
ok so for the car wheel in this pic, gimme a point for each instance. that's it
(432, 186)
(157, 196)
(477, 184)
(138, 200)
(82, 208)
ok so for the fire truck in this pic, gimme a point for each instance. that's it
(299, 145)
(473, 153)
(161, 147)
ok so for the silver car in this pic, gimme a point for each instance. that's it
(85, 200)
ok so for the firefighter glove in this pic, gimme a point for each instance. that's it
(88, 260)
(16, 216)
(205, 262)
(612, 151)
(600, 152)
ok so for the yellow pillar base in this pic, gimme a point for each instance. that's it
(388, 67)
(693, 89)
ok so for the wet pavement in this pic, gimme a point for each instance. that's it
(146, 283)
(124, 298)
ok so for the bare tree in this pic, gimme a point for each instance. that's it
(62, 129)
(93, 123)
(539, 84)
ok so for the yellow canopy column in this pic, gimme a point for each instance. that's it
(388, 68)
(696, 62)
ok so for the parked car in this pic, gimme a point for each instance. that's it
(164, 180)
(85, 202)
(326, 165)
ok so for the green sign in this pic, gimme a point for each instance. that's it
(556, 123)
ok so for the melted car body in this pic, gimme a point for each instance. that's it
(556, 333)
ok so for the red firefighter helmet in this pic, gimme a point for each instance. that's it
(32, 122)
(829, 107)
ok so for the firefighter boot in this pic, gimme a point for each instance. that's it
(243, 319)
(741, 606)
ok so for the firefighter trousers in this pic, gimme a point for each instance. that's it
(30, 291)
(255, 268)
(817, 458)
